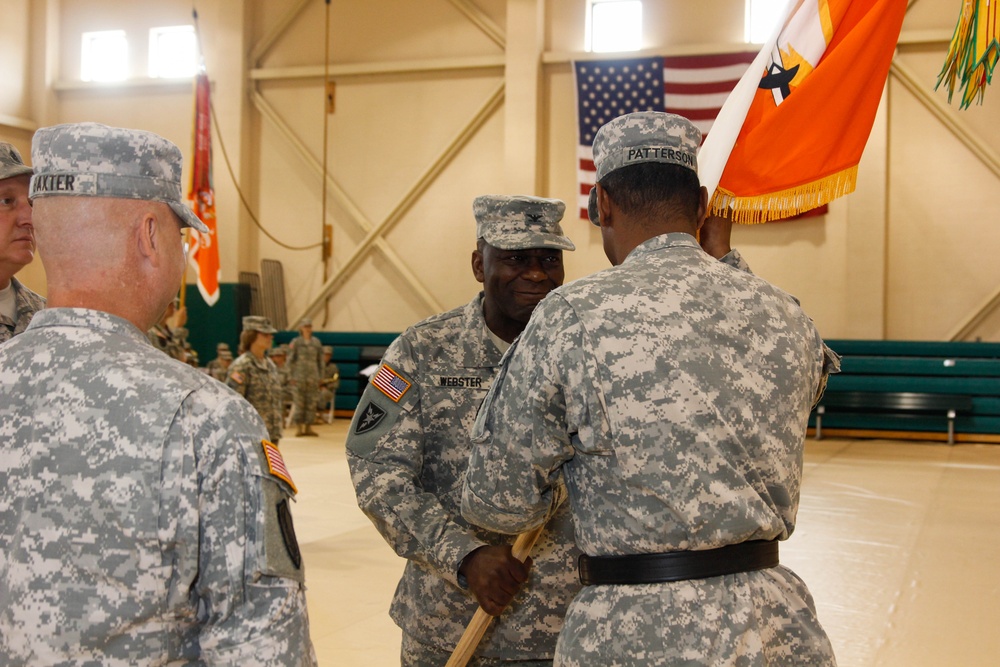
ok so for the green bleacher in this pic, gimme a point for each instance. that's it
(352, 352)
(916, 367)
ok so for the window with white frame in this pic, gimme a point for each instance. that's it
(104, 56)
(173, 52)
(762, 18)
(614, 25)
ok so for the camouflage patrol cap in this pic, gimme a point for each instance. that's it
(93, 160)
(327, 349)
(645, 136)
(225, 354)
(305, 322)
(278, 351)
(258, 323)
(520, 222)
(11, 164)
(222, 346)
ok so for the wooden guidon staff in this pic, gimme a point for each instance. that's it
(481, 620)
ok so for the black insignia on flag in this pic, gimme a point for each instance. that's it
(371, 417)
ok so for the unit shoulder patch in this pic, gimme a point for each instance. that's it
(288, 534)
(371, 416)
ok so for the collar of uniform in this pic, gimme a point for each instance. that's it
(671, 240)
(86, 319)
(479, 350)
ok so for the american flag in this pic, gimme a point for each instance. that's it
(692, 86)
(390, 383)
(276, 464)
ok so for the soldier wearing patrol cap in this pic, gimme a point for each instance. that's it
(670, 394)
(17, 244)
(408, 447)
(219, 367)
(305, 361)
(255, 377)
(143, 514)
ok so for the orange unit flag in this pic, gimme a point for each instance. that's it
(205, 247)
(801, 117)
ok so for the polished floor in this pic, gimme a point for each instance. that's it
(898, 541)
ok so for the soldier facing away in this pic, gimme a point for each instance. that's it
(143, 521)
(670, 394)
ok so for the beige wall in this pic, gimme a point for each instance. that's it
(906, 256)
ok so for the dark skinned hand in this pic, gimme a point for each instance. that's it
(494, 576)
(714, 236)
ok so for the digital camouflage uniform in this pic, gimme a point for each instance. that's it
(257, 381)
(139, 522)
(305, 361)
(671, 395)
(217, 370)
(170, 341)
(215, 367)
(26, 304)
(285, 379)
(408, 447)
(330, 384)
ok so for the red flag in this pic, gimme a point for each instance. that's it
(692, 86)
(809, 107)
(205, 250)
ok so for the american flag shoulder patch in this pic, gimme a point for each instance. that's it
(390, 383)
(276, 464)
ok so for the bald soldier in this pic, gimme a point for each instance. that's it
(670, 394)
(17, 244)
(143, 516)
(409, 444)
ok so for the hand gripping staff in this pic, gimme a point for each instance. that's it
(481, 620)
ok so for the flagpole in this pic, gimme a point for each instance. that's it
(327, 109)
(480, 622)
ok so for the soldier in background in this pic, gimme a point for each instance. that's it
(408, 448)
(279, 355)
(670, 394)
(305, 359)
(219, 367)
(17, 244)
(159, 532)
(330, 382)
(169, 334)
(255, 377)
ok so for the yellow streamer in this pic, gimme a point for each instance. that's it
(786, 203)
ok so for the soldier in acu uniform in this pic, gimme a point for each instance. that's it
(143, 519)
(305, 359)
(255, 377)
(670, 394)
(330, 382)
(409, 444)
(219, 367)
(17, 244)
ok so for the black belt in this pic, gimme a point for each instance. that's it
(678, 565)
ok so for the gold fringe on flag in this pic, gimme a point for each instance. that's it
(786, 203)
(974, 51)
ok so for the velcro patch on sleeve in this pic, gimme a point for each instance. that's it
(390, 383)
(276, 464)
(236, 377)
